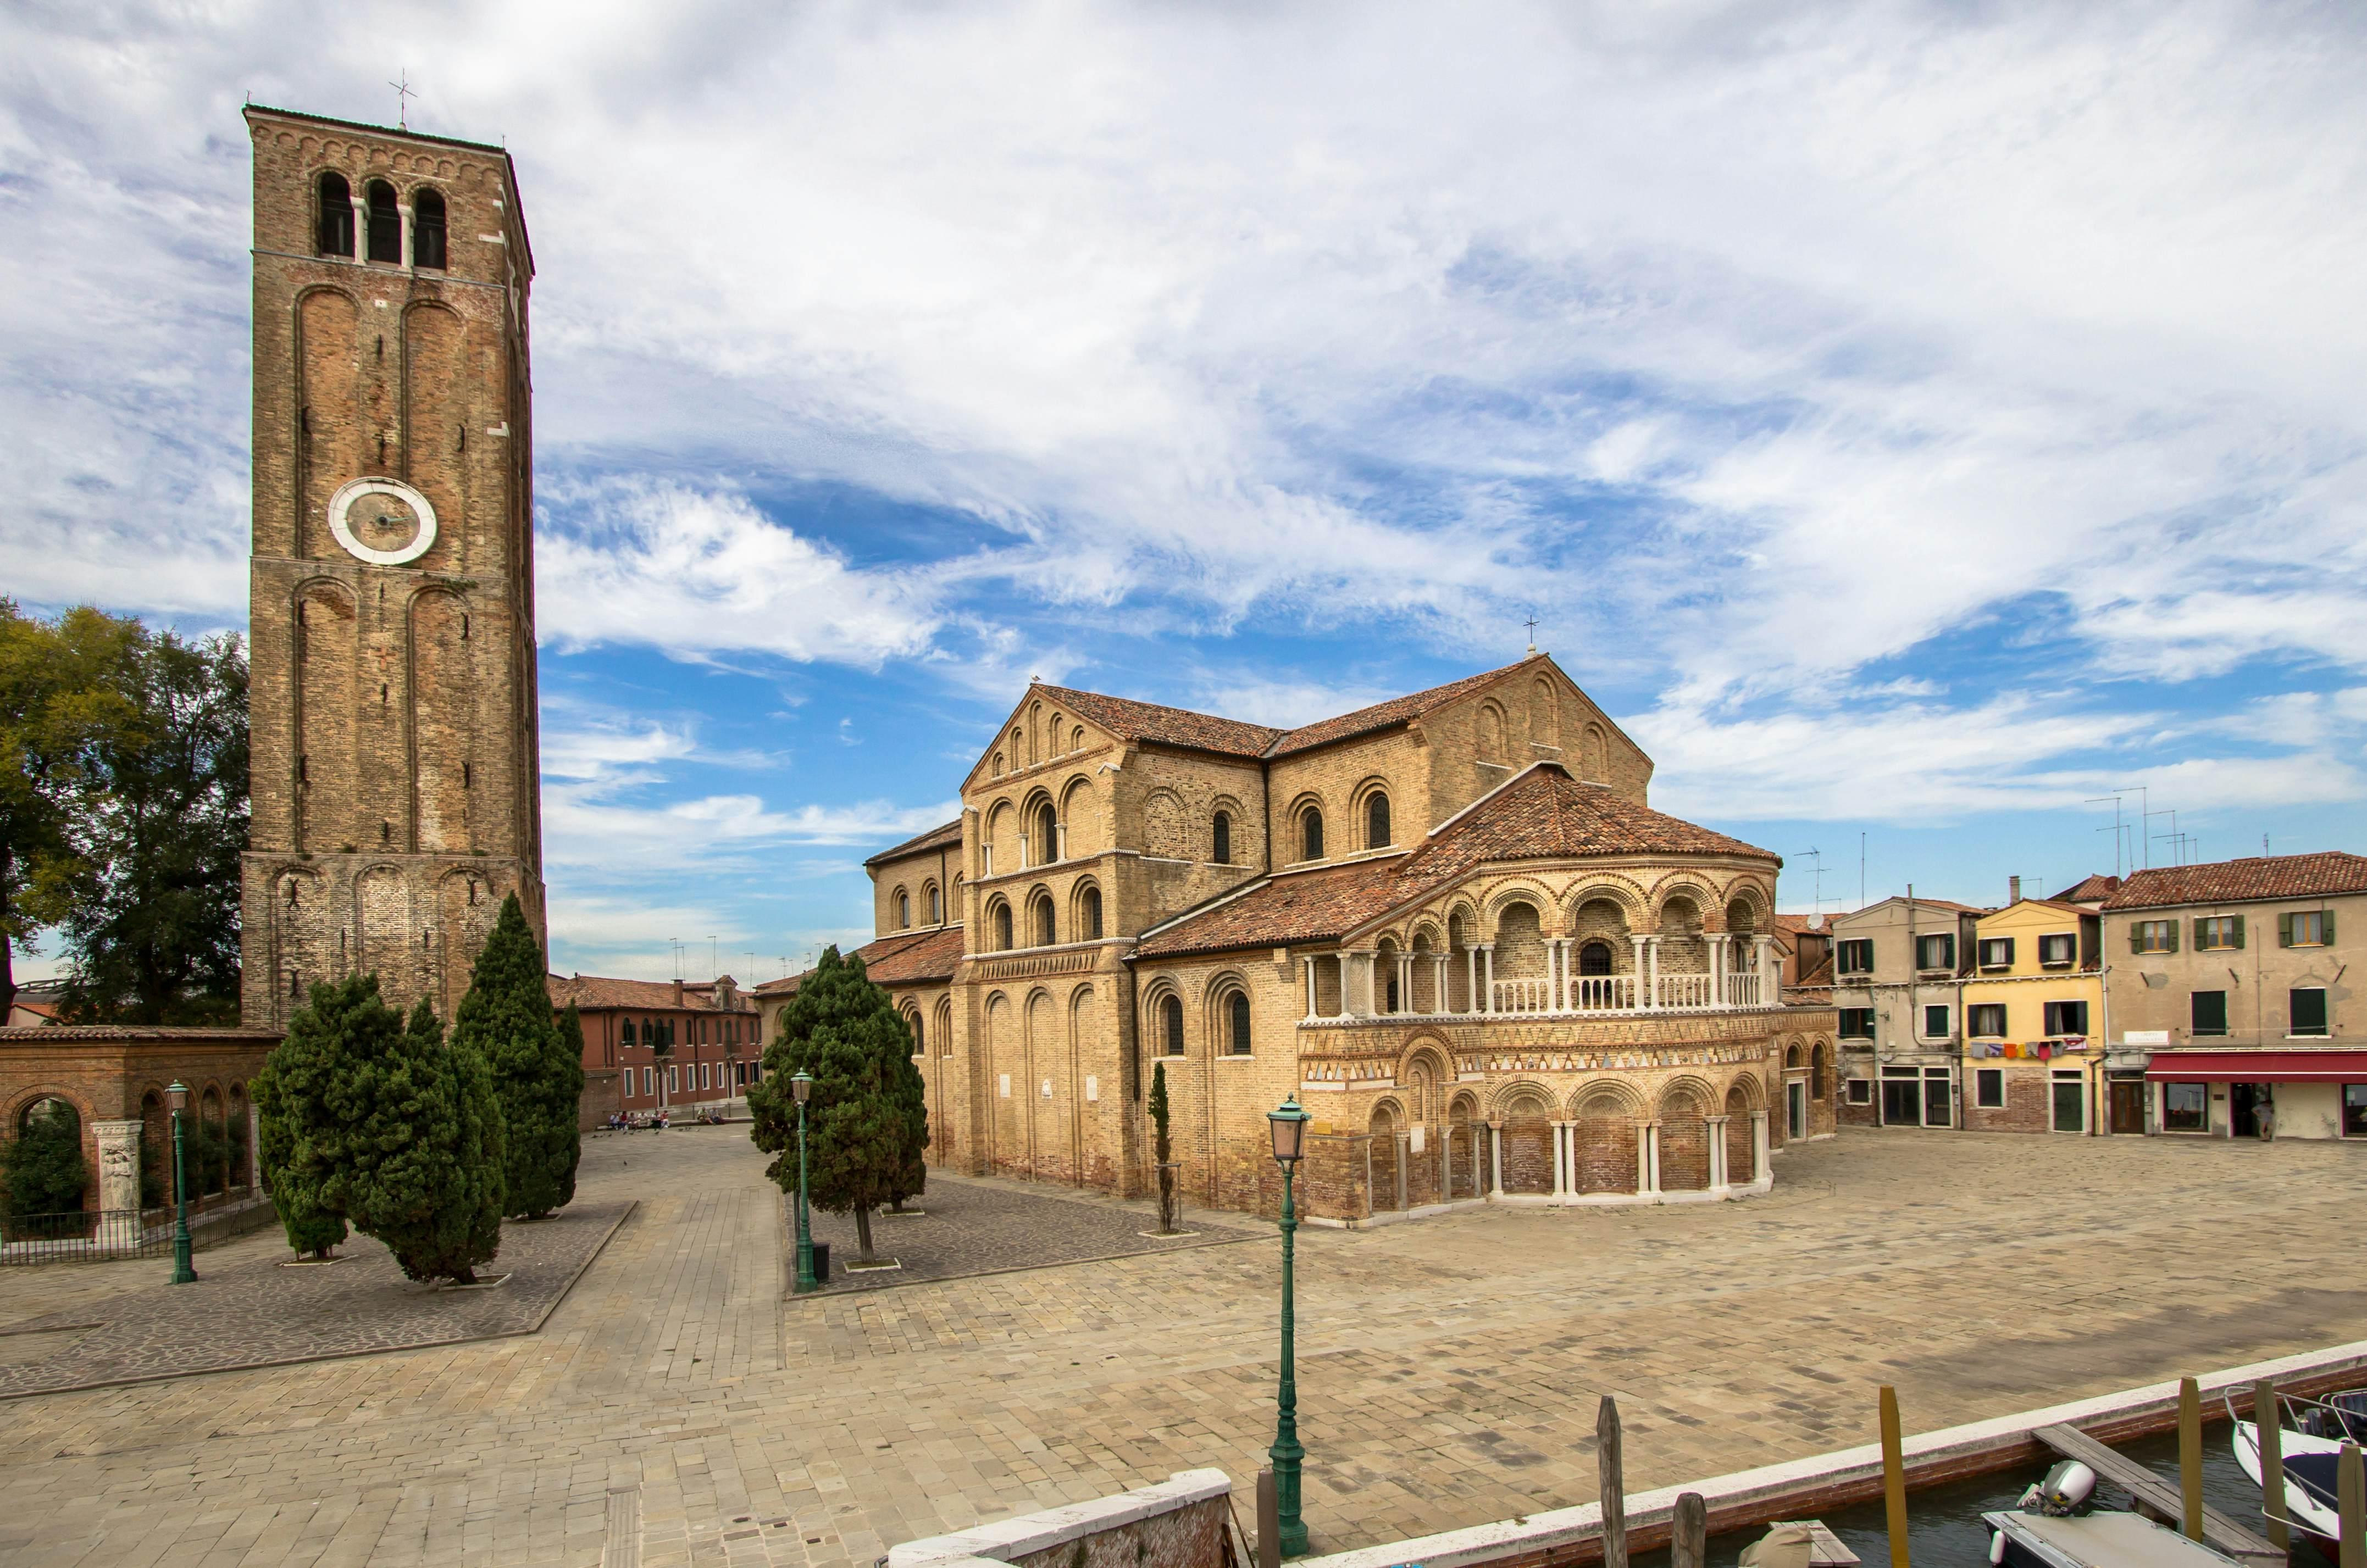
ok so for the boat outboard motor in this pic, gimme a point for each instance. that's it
(2067, 1489)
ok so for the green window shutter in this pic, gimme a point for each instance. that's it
(2173, 934)
(2284, 931)
(2326, 924)
(2239, 930)
(2137, 936)
(2198, 933)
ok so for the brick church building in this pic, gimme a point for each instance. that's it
(1449, 924)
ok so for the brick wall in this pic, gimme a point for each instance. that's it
(1606, 1153)
(2028, 1097)
(1684, 1155)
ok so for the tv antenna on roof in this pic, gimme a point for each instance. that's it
(404, 94)
(1817, 856)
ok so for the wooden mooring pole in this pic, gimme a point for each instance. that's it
(1613, 1485)
(2350, 1502)
(1894, 1475)
(1689, 1532)
(1269, 1517)
(2189, 1455)
(2266, 1410)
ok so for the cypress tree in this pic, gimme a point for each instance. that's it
(427, 1173)
(310, 1095)
(537, 1071)
(310, 1229)
(866, 1121)
(1161, 1150)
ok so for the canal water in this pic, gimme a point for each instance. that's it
(1945, 1529)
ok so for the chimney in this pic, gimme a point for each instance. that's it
(678, 993)
(2013, 890)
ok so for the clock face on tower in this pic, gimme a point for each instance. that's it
(383, 522)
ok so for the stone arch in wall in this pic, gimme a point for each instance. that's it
(1821, 1070)
(1527, 1119)
(1002, 928)
(1081, 820)
(1224, 845)
(1084, 1039)
(1042, 919)
(1458, 959)
(1369, 816)
(1231, 1020)
(1683, 1113)
(1544, 714)
(999, 839)
(1595, 754)
(382, 914)
(1166, 831)
(468, 902)
(1682, 928)
(1488, 732)
(1046, 1111)
(326, 784)
(1425, 1075)
(1519, 939)
(1738, 1136)
(443, 729)
(334, 424)
(1387, 1128)
(1309, 833)
(1426, 946)
(1746, 912)
(305, 943)
(1606, 1116)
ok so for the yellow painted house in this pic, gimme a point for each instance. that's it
(2034, 1000)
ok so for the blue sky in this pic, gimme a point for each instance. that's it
(1910, 421)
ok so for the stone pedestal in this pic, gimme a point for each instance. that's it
(118, 1165)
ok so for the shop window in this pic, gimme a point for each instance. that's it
(2067, 1017)
(2207, 1013)
(1856, 955)
(2310, 928)
(2186, 1108)
(1988, 1089)
(1986, 1020)
(2057, 951)
(2354, 1111)
(1857, 1023)
(2218, 933)
(2307, 1010)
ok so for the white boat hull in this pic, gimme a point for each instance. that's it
(2302, 1506)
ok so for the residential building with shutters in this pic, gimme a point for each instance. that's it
(674, 1045)
(1896, 991)
(2034, 998)
(2233, 987)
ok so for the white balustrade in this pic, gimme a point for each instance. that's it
(1741, 988)
(1685, 991)
(1602, 993)
(1523, 996)
(1531, 996)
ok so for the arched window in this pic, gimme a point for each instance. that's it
(1817, 1070)
(1310, 834)
(1003, 927)
(919, 1047)
(936, 915)
(1594, 958)
(1376, 822)
(1220, 838)
(903, 909)
(1237, 1036)
(332, 226)
(1089, 910)
(1170, 1025)
(428, 229)
(1043, 923)
(385, 224)
(1048, 835)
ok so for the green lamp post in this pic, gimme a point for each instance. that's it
(183, 1274)
(1288, 1122)
(801, 1088)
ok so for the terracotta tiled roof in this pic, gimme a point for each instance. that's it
(1131, 720)
(1380, 715)
(1795, 924)
(787, 985)
(587, 991)
(908, 959)
(935, 838)
(2093, 888)
(1542, 814)
(2235, 881)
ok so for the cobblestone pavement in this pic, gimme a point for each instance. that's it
(286, 1311)
(980, 1227)
(1448, 1369)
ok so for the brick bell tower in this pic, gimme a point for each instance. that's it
(395, 775)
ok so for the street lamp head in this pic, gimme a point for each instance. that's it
(179, 1093)
(801, 1086)
(1288, 1122)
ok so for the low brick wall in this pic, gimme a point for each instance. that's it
(1178, 1523)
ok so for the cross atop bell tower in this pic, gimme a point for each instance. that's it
(395, 776)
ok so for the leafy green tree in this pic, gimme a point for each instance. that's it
(58, 694)
(1162, 1151)
(302, 1098)
(43, 1165)
(151, 901)
(429, 1181)
(538, 1074)
(867, 1120)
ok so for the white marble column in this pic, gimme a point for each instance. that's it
(118, 1165)
(402, 212)
(1766, 955)
(1556, 970)
(1717, 969)
(1643, 946)
(1717, 1179)
(1438, 1002)
(1561, 1161)
(1471, 980)
(1308, 965)
(1759, 1145)
(361, 223)
(1495, 1159)
(1652, 1162)
(1487, 976)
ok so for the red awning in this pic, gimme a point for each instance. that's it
(2259, 1067)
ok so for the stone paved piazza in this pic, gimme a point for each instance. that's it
(1448, 1374)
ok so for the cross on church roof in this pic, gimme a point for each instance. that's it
(402, 96)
